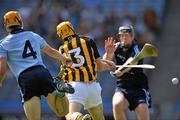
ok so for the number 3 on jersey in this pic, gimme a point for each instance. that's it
(77, 55)
(28, 50)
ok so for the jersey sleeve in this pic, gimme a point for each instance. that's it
(3, 52)
(96, 52)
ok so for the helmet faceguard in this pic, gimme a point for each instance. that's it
(65, 29)
(126, 29)
(127, 41)
(12, 18)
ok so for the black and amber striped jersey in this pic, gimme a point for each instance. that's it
(83, 52)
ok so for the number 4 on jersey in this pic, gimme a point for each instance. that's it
(28, 50)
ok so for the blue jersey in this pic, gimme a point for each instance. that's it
(135, 78)
(22, 50)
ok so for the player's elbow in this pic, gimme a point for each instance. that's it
(99, 64)
(102, 66)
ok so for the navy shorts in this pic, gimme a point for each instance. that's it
(136, 96)
(35, 81)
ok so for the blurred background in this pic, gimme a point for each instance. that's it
(154, 21)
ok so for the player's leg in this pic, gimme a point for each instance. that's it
(120, 106)
(94, 101)
(32, 108)
(58, 103)
(74, 111)
(97, 112)
(142, 112)
(142, 104)
(30, 93)
(76, 101)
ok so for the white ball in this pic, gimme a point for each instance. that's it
(175, 81)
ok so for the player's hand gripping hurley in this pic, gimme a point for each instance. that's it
(148, 50)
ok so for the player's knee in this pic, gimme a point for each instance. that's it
(62, 113)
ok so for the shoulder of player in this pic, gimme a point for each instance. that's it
(33, 33)
(135, 45)
(87, 38)
(5, 39)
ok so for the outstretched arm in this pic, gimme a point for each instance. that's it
(104, 64)
(55, 54)
(3, 69)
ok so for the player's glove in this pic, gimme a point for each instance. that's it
(63, 87)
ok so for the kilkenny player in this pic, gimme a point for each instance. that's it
(82, 74)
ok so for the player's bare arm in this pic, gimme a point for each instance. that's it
(109, 48)
(2, 69)
(104, 65)
(55, 54)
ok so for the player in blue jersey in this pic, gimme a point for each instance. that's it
(132, 90)
(21, 50)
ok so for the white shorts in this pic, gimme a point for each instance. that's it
(87, 94)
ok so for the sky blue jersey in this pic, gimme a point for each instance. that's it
(22, 50)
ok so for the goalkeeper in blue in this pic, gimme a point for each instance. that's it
(132, 90)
